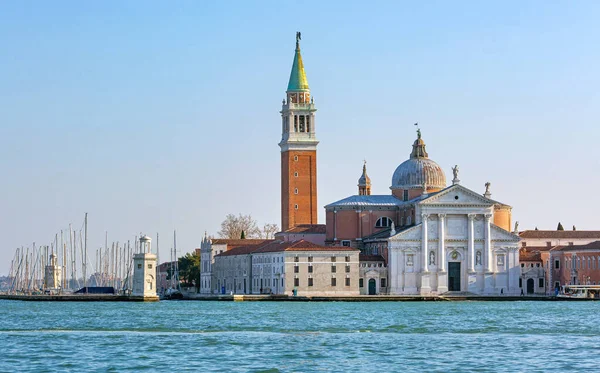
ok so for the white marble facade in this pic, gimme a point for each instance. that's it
(454, 246)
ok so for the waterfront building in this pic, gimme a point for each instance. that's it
(554, 258)
(209, 248)
(281, 267)
(434, 238)
(373, 275)
(144, 270)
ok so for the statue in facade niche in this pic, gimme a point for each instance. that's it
(478, 258)
(431, 257)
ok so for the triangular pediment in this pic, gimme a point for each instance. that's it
(465, 197)
(499, 234)
(413, 233)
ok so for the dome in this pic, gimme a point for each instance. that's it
(418, 170)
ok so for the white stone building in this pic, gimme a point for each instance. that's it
(282, 267)
(454, 246)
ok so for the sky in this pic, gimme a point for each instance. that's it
(156, 116)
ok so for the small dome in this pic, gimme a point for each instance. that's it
(418, 170)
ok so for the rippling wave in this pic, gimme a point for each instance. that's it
(298, 337)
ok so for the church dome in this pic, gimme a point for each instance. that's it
(418, 170)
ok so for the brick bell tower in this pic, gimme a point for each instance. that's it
(298, 150)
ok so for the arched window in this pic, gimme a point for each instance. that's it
(383, 222)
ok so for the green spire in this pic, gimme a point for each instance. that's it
(298, 81)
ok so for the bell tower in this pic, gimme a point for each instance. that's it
(298, 150)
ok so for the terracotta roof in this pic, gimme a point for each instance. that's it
(559, 234)
(370, 258)
(300, 245)
(590, 246)
(307, 229)
(530, 256)
(233, 243)
(270, 246)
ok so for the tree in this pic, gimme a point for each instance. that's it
(243, 235)
(189, 270)
(233, 226)
(574, 228)
(269, 230)
(536, 228)
(560, 227)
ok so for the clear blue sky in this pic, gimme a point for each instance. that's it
(152, 116)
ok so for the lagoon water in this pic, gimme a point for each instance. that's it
(191, 336)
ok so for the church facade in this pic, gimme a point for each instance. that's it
(433, 238)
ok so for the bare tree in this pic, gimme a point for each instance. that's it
(269, 230)
(233, 226)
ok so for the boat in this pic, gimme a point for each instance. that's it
(580, 292)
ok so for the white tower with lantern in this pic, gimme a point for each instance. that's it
(144, 270)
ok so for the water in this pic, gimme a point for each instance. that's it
(299, 337)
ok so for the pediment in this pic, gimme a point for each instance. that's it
(465, 196)
(413, 233)
(499, 234)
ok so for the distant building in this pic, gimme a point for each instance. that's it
(314, 233)
(282, 267)
(551, 259)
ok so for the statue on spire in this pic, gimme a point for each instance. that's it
(298, 36)
(418, 130)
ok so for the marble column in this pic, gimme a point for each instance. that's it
(424, 243)
(393, 270)
(488, 243)
(471, 243)
(442, 242)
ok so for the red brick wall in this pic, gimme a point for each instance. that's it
(305, 182)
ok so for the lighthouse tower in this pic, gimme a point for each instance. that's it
(298, 150)
(144, 270)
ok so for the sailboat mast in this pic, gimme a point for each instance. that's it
(85, 255)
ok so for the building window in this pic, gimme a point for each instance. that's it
(405, 195)
(333, 259)
(383, 222)
(520, 282)
(295, 174)
(557, 264)
(557, 285)
(296, 191)
(522, 265)
(347, 281)
(310, 269)
(140, 266)
(310, 281)
(333, 268)
(296, 269)
(296, 259)
(346, 243)
(383, 283)
(296, 207)
(296, 281)
(541, 283)
(361, 283)
(408, 220)
(333, 282)
(347, 269)
(295, 158)
(402, 221)
(347, 258)
(310, 259)
(548, 243)
(149, 266)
